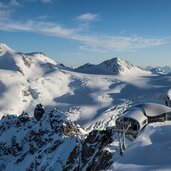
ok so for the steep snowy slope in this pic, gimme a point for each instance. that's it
(6, 60)
(150, 151)
(24, 81)
(27, 64)
(115, 66)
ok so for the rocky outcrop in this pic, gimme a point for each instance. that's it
(25, 143)
(90, 154)
(52, 143)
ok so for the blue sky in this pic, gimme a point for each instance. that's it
(78, 31)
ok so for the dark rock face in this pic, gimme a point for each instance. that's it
(90, 154)
(27, 61)
(51, 143)
(39, 111)
(26, 143)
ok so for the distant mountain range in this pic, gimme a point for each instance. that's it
(114, 66)
(159, 70)
(11, 60)
(117, 66)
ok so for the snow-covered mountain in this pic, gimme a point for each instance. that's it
(167, 69)
(114, 66)
(159, 70)
(25, 63)
(94, 101)
(24, 77)
(27, 79)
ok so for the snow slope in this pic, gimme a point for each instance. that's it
(24, 80)
(115, 66)
(150, 151)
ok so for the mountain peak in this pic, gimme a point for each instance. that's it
(25, 63)
(117, 65)
(114, 66)
(115, 59)
(4, 48)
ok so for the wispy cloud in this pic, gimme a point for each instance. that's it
(6, 8)
(85, 21)
(87, 17)
(118, 43)
(2, 5)
(46, 1)
(87, 42)
(4, 12)
(45, 28)
(14, 3)
(42, 17)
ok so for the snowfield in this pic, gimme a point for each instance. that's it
(93, 96)
(150, 151)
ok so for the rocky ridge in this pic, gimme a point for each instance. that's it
(53, 143)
